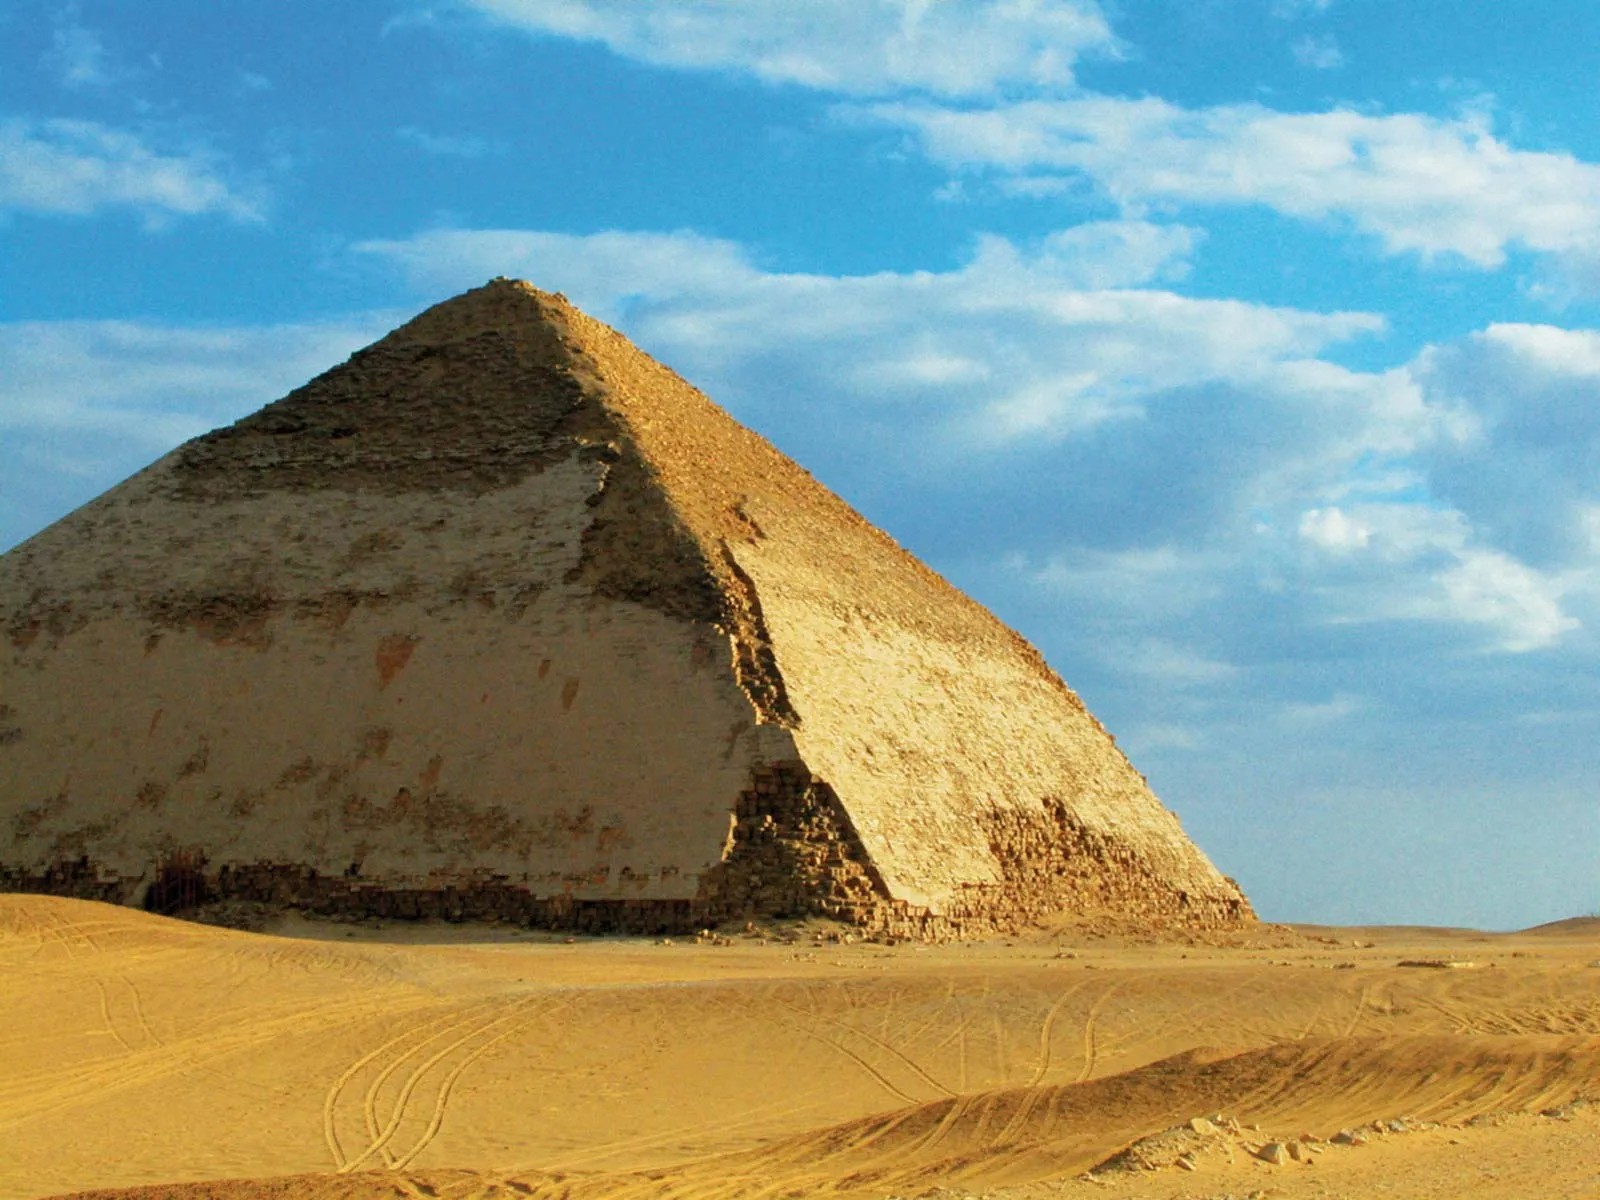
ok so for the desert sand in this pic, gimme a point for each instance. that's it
(414, 1059)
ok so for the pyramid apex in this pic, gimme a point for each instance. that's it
(501, 303)
(511, 283)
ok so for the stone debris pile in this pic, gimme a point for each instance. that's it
(1217, 1139)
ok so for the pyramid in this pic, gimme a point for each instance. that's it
(502, 619)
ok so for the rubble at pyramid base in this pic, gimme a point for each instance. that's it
(793, 855)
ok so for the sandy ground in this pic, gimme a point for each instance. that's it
(187, 1061)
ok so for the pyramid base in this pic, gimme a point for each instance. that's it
(792, 852)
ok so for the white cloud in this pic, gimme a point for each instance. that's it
(1563, 280)
(1031, 187)
(1419, 184)
(1109, 254)
(1332, 529)
(601, 271)
(1438, 187)
(1149, 738)
(158, 384)
(1523, 463)
(78, 55)
(88, 402)
(1323, 712)
(858, 47)
(1290, 10)
(1029, 340)
(1390, 531)
(1569, 352)
(1173, 665)
(81, 167)
(449, 146)
(1171, 457)
(1320, 52)
(1425, 562)
(1155, 586)
(1495, 589)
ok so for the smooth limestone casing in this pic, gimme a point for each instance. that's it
(505, 598)
(975, 780)
(925, 738)
(435, 728)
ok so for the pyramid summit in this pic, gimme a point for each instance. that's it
(502, 618)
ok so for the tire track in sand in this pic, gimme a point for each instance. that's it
(441, 1101)
(889, 1048)
(59, 1091)
(330, 1101)
(834, 1043)
(1030, 1099)
(1091, 1032)
(401, 1106)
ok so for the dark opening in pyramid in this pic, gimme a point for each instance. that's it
(501, 618)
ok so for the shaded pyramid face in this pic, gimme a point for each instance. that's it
(502, 618)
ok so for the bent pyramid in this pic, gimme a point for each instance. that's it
(503, 618)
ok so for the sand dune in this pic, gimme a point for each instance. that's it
(139, 1050)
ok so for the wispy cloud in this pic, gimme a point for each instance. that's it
(1323, 712)
(1416, 562)
(987, 89)
(1061, 337)
(77, 54)
(151, 382)
(1320, 52)
(1293, 10)
(1419, 184)
(88, 402)
(77, 168)
(1525, 462)
(854, 47)
(448, 146)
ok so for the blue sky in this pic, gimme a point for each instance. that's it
(1244, 354)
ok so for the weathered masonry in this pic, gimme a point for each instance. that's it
(501, 618)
